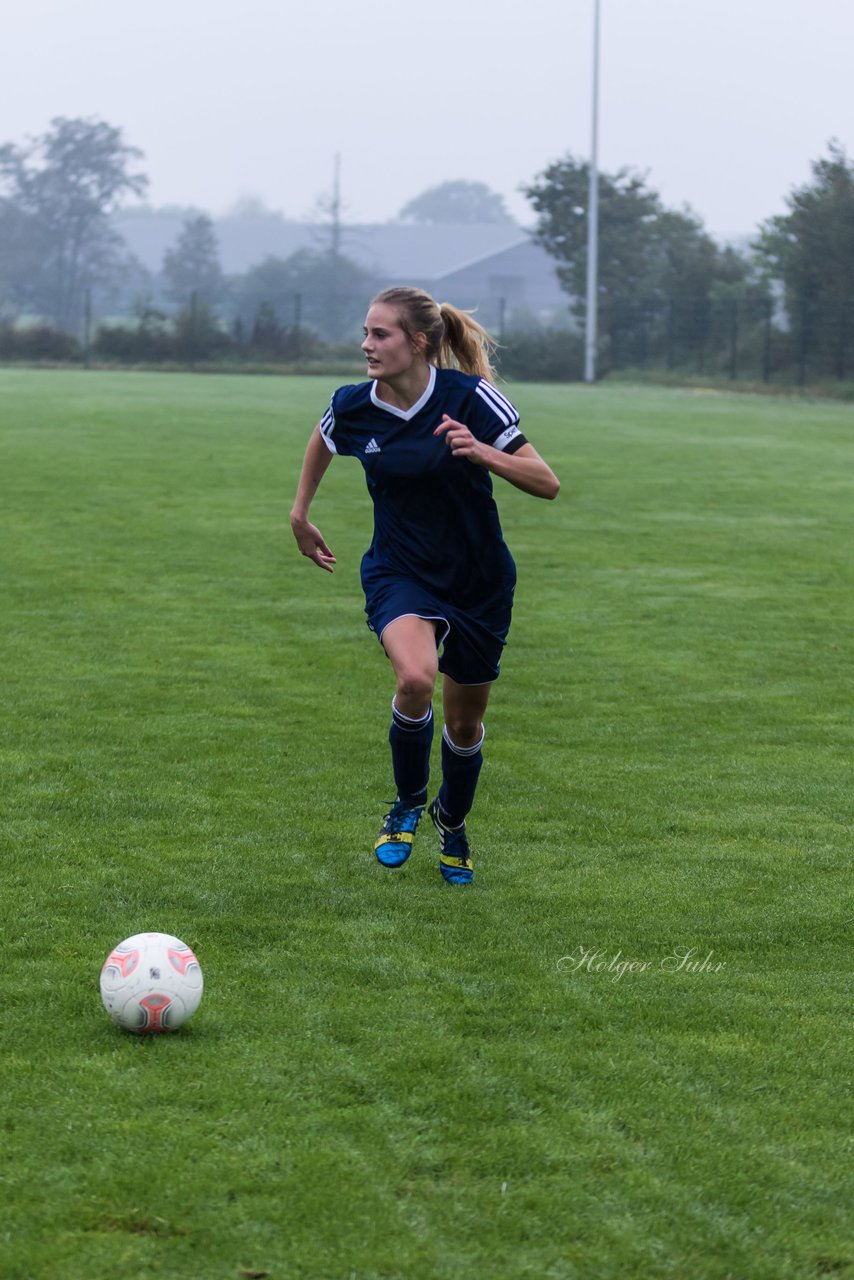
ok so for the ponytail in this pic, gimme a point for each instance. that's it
(454, 339)
(466, 343)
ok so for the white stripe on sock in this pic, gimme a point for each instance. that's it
(415, 722)
(463, 751)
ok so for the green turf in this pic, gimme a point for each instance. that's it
(388, 1077)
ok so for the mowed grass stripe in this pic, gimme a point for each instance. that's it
(387, 1077)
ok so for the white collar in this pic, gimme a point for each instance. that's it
(406, 414)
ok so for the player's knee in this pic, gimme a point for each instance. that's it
(415, 689)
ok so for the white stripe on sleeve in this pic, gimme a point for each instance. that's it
(327, 426)
(506, 436)
(500, 398)
(498, 403)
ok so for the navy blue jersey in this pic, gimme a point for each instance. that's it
(435, 519)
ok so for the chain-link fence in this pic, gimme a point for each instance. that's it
(734, 337)
(754, 339)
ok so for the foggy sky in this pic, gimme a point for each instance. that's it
(723, 103)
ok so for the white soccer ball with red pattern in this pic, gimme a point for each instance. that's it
(151, 982)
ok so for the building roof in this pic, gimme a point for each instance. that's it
(393, 250)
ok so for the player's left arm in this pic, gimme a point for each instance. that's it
(525, 468)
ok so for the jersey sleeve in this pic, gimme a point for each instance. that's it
(333, 426)
(495, 420)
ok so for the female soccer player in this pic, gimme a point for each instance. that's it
(428, 428)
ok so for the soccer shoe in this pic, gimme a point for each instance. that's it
(454, 852)
(394, 842)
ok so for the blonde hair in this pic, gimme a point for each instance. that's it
(455, 340)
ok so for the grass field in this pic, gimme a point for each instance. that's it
(388, 1077)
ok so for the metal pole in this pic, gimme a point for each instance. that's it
(593, 218)
(298, 326)
(336, 211)
(87, 326)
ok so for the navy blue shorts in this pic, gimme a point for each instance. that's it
(470, 640)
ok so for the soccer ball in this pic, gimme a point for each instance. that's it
(151, 982)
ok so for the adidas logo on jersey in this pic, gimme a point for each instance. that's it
(372, 446)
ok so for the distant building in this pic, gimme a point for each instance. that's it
(510, 288)
(494, 268)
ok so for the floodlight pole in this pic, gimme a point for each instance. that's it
(336, 211)
(593, 218)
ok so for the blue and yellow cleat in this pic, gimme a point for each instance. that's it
(394, 842)
(454, 852)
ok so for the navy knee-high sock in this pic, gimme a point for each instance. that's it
(460, 771)
(410, 742)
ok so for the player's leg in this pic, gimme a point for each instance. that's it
(462, 758)
(462, 741)
(410, 643)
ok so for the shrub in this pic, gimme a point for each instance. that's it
(40, 342)
(553, 355)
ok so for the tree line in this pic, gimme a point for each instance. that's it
(670, 297)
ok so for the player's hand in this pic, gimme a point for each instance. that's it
(311, 543)
(461, 442)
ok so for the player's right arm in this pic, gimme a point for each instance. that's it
(309, 538)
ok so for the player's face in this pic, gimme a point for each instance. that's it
(387, 347)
